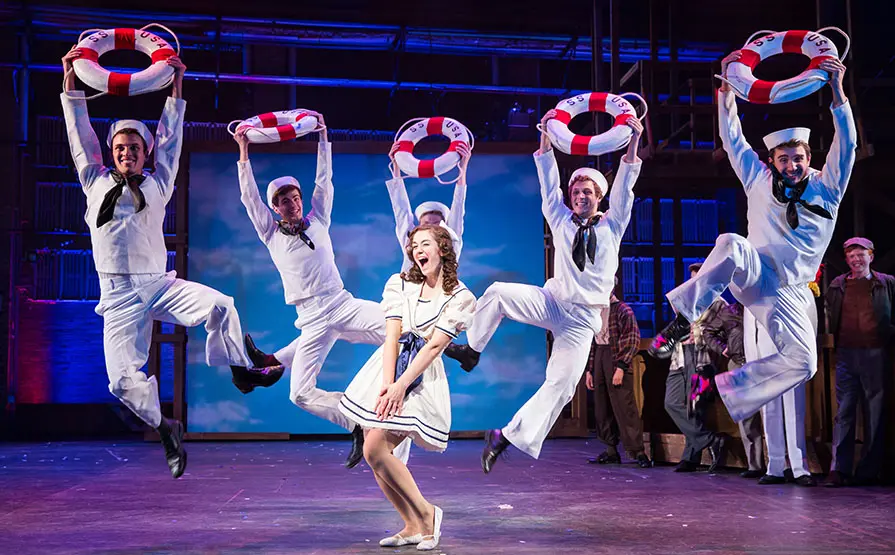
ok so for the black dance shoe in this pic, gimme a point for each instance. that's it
(464, 354)
(663, 345)
(717, 450)
(495, 444)
(357, 447)
(247, 379)
(259, 358)
(606, 458)
(686, 466)
(643, 461)
(171, 432)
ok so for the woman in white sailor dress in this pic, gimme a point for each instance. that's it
(402, 391)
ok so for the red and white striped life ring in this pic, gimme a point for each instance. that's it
(423, 127)
(593, 145)
(810, 43)
(157, 76)
(274, 127)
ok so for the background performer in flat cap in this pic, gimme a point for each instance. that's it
(861, 313)
(569, 304)
(302, 251)
(792, 211)
(125, 213)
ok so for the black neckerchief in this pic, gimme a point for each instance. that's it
(107, 208)
(296, 229)
(584, 244)
(778, 188)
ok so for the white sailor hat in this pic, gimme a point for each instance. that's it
(594, 176)
(137, 126)
(274, 187)
(777, 138)
(431, 206)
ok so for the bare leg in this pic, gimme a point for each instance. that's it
(411, 524)
(378, 446)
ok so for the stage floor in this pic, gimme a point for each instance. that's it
(295, 497)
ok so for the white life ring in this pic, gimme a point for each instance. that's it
(274, 127)
(593, 145)
(157, 76)
(810, 43)
(424, 127)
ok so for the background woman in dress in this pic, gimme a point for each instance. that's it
(402, 390)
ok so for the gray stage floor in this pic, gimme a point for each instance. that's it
(295, 497)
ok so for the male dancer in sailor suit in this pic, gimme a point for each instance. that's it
(569, 304)
(792, 212)
(125, 212)
(302, 251)
(784, 417)
(429, 212)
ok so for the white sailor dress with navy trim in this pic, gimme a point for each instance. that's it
(426, 414)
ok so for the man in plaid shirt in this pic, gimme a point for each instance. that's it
(612, 382)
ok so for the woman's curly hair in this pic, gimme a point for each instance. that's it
(449, 279)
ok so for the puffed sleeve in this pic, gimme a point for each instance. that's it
(457, 314)
(393, 298)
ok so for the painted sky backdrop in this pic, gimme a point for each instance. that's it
(503, 241)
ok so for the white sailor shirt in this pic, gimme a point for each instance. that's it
(305, 272)
(132, 242)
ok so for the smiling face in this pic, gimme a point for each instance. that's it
(791, 162)
(426, 253)
(128, 152)
(859, 259)
(288, 204)
(585, 197)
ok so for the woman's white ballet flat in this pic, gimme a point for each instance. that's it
(398, 540)
(431, 541)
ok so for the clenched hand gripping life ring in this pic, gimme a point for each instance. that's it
(157, 76)
(406, 139)
(274, 127)
(810, 43)
(593, 145)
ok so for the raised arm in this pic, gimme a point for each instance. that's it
(745, 162)
(82, 140)
(841, 158)
(258, 212)
(458, 205)
(169, 135)
(621, 196)
(322, 200)
(404, 218)
(552, 206)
